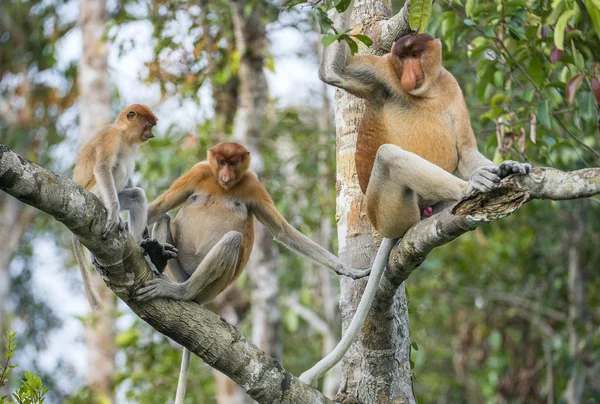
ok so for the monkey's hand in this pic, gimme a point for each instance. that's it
(113, 221)
(159, 253)
(484, 179)
(159, 287)
(352, 272)
(509, 167)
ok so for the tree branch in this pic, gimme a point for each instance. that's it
(204, 333)
(466, 215)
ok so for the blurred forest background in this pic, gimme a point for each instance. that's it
(507, 313)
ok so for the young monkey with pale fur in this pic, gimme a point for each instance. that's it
(104, 167)
(214, 231)
(415, 132)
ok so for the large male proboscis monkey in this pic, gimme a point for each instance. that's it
(104, 167)
(415, 132)
(214, 231)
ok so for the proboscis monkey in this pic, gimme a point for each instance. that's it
(104, 167)
(415, 132)
(214, 231)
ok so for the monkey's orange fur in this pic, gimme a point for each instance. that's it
(119, 136)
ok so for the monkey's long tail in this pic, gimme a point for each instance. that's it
(183, 376)
(91, 294)
(316, 372)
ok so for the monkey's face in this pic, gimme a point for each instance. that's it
(417, 60)
(140, 121)
(146, 130)
(228, 170)
(229, 162)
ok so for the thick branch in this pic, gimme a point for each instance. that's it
(204, 333)
(466, 215)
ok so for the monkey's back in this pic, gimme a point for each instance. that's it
(99, 146)
(424, 126)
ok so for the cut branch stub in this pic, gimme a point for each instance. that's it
(493, 205)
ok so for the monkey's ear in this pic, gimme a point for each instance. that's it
(210, 149)
(131, 115)
(247, 153)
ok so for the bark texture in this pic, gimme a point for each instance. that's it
(253, 95)
(377, 367)
(94, 113)
(204, 333)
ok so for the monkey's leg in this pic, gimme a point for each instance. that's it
(134, 200)
(398, 181)
(213, 273)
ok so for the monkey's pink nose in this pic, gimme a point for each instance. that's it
(428, 212)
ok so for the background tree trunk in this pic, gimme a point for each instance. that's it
(251, 43)
(577, 305)
(377, 367)
(95, 111)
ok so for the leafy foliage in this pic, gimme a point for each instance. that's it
(32, 390)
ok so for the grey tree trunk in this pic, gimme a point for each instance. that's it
(577, 306)
(377, 367)
(95, 112)
(251, 43)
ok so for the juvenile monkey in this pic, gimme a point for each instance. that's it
(415, 132)
(214, 231)
(104, 167)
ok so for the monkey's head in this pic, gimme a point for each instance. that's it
(417, 59)
(139, 120)
(229, 162)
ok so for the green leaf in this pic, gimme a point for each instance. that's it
(543, 114)
(292, 3)
(324, 21)
(419, 14)
(352, 44)
(593, 8)
(414, 346)
(536, 71)
(328, 39)
(364, 39)
(342, 5)
(559, 29)
(588, 111)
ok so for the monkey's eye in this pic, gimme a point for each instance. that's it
(233, 163)
(414, 54)
(222, 162)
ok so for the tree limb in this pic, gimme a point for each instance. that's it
(204, 333)
(467, 214)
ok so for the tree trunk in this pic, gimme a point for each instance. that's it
(577, 306)
(251, 42)
(377, 367)
(95, 112)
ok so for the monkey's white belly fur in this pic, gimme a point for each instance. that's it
(202, 221)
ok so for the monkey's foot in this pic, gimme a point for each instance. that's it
(509, 167)
(159, 253)
(159, 287)
(352, 272)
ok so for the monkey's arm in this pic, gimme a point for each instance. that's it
(359, 75)
(107, 189)
(265, 211)
(177, 193)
